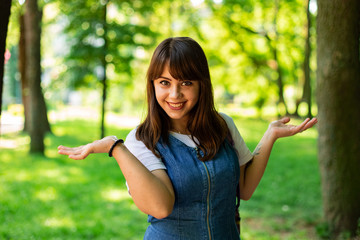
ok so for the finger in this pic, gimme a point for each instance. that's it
(310, 124)
(76, 156)
(65, 153)
(61, 152)
(69, 151)
(285, 120)
(80, 155)
(300, 127)
(65, 148)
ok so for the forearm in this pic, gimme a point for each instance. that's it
(252, 173)
(152, 192)
(254, 170)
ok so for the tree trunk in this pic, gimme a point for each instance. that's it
(25, 88)
(104, 77)
(338, 96)
(279, 80)
(25, 91)
(306, 95)
(4, 21)
(37, 107)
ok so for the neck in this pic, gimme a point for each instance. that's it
(180, 127)
(186, 132)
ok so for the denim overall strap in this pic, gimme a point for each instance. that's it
(205, 194)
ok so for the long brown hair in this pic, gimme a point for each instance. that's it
(187, 61)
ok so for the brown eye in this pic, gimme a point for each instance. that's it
(186, 83)
(164, 83)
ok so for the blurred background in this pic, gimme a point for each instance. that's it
(75, 71)
(256, 52)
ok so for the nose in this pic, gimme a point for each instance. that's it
(175, 91)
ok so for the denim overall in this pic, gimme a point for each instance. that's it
(205, 194)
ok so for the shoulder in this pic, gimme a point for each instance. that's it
(234, 132)
(229, 121)
(240, 146)
(132, 135)
(134, 144)
(225, 116)
(142, 153)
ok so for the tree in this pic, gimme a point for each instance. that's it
(104, 66)
(103, 41)
(22, 69)
(4, 21)
(306, 95)
(338, 98)
(270, 42)
(37, 128)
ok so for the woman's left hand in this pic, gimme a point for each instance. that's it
(280, 128)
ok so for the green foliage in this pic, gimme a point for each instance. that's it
(54, 197)
(94, 35)
(247, 32)
(238, 38)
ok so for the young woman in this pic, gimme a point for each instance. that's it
(184, 163)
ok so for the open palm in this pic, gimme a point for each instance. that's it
(280, 128)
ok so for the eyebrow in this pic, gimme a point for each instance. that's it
(164, 78)
(181, 80)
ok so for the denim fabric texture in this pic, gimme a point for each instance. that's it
(205, 194)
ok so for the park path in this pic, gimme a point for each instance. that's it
(10, 123)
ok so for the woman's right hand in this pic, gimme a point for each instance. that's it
(152, 192)
(81, 152)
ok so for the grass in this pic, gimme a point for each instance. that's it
(287, 203)
(53, 197)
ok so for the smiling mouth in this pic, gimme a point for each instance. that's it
(176, 106)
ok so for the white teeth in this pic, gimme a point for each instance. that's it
(176, 105)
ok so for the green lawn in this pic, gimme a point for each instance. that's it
(287, 203)
(54, 197)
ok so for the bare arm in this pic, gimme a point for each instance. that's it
(252, 172)
(152, 192)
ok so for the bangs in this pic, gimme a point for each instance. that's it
(179, 68)
(183, 68)
(157, 69)
(185, 58)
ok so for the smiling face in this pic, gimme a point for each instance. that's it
(178, 89)
(177, 98)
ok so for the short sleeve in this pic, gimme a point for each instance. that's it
(142, 153)
(243, 152)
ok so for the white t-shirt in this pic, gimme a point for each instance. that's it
(151, 162)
